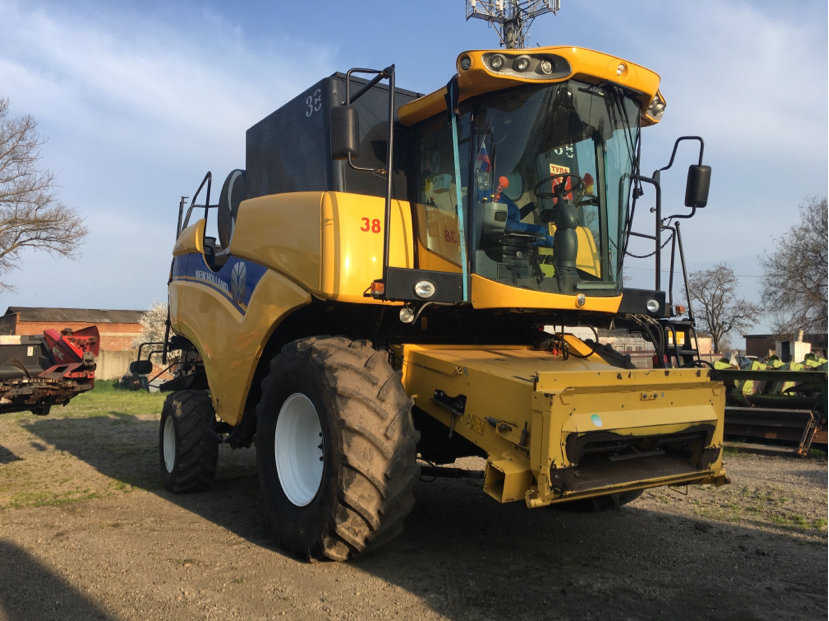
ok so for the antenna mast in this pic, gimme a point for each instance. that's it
(511, 18)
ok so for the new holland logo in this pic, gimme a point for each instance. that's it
(237, 283)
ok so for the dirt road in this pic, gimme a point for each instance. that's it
(86, 532)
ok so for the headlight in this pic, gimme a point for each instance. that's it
(652, 305)
(656, 108)
(424, 289)
(466, 63)
(522, 63)
(496, 62)
(546, 66)
(406, 315)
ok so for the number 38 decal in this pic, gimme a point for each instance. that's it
(370, 225)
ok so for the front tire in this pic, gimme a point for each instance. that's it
(188, 447)
(336, 448)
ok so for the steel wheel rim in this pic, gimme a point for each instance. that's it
(298, 449)
(168, 445)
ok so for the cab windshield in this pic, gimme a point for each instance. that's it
(546, 197)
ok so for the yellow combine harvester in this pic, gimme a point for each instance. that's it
(384, 271)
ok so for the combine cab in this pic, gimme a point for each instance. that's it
(37, 372)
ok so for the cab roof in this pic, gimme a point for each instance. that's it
(566, 63)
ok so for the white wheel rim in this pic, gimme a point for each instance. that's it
(298, 449)
(168, 445)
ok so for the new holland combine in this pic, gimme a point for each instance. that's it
(377, 297)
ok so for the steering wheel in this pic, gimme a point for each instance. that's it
(560, 190)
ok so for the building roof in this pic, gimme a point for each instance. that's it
(82, 315)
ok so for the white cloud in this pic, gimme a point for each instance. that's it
(136, 110)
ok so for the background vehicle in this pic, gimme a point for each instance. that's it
(37, 372)
(385, 268)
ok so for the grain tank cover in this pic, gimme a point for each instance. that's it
(290, 150)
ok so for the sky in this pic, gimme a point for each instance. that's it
(139, 99)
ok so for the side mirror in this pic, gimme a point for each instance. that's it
(345, 132)
(141, 367)
(696, 190)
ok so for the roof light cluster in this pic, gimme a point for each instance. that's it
(527, 66)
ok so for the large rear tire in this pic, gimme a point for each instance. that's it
(336, 448)
(188, 447)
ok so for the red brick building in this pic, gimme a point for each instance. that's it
(118, 328)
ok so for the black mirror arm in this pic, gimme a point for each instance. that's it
(679, 215)
(676, 146)
(387, 73)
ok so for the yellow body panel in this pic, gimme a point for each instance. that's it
(490, 294)
(330, 243)
(352, 243)
(524, 407)
(323, 244)
(282, 232)
(229, 342)
(587, 65)
(190, 240)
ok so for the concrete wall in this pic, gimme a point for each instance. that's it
(114, 364)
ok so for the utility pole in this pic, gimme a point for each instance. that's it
(511, 18)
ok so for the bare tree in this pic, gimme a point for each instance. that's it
(31, 216)
(716, 307)
(795, 273)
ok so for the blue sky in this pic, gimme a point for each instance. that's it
(140, 99)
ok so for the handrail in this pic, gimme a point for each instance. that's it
(208, 178)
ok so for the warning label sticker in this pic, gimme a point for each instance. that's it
(478, 425)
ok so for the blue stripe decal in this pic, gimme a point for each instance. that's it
(236, 281)
(180, 266)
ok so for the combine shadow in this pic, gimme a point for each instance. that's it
(468, 558)
(31, 592)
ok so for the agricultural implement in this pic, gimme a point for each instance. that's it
(376, 295)
(783, 407)
(37, 372)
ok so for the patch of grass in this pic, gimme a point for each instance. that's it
(106, 401)
(49, 499)
(817, 454)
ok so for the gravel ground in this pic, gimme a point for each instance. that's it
(86, 532)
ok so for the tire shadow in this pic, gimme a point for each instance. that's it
(23, 583)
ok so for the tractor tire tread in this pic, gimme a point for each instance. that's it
(373, 417)
(197, 447)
